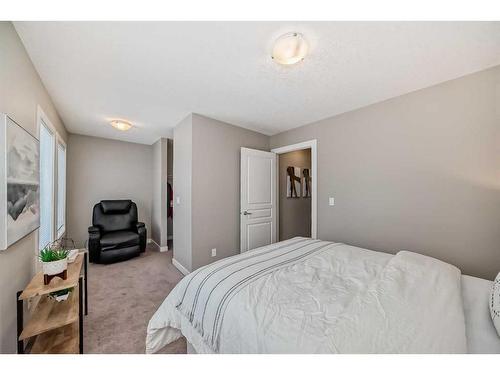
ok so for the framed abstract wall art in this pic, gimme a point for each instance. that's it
(19, 182)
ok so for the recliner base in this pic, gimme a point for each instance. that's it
(118, 255)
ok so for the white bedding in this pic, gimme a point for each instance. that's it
(481, 334)
(325, 298)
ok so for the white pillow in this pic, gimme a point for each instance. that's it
(495, 303)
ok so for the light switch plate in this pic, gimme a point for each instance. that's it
(178, 200)
(331, 201)
(214, 252)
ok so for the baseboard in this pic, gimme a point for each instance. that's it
(161, 248)
(151, 241)
(180, 267)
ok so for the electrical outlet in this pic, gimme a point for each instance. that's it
(214, 252)
(331, 201)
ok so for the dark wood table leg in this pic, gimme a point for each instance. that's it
(20, 322)
(85, 260)
(80, 314)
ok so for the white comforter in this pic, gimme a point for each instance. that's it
(309, 296)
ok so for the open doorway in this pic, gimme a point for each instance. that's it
(260, 200)
(296, 190)
(294, 194)
(170, 193)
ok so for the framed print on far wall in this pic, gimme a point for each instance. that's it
(293, 182)
(19, 182)
(306, 183)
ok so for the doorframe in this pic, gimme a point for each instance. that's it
(313, 145)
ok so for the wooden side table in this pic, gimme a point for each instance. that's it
(54, 327)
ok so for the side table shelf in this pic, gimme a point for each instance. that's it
(54, 327)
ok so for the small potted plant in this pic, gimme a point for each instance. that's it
(61, 295)
(54, 262)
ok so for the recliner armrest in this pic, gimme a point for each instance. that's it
(141, 231)
(94, 231)
(94, 244)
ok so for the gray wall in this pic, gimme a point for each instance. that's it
(216, 186)
(294, 213)
(419, 172)
(21, 90)
(101, 168)
(183, 156)
(207, 181)
(159, 230)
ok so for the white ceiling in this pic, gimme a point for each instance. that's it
(154, 74)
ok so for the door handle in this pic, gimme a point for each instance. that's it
(246, 213)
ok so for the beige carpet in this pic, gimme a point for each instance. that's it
(123, 297)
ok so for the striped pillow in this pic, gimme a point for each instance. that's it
(495, 303)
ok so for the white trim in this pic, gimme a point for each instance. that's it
(162, 248)
(296, 146)
(42, 117)
(60, 141)
(180, 267)
(313, 145)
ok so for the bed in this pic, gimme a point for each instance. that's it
(482, 337)
(311, 296)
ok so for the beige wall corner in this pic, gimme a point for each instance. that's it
(159, 228)
(183, 155)
(100, 169)
(216, 186)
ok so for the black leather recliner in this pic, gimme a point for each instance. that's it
(115, 234)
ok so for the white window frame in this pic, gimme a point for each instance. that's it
(42, 117)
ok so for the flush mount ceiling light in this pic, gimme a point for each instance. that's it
(121, 125)
(289, 49)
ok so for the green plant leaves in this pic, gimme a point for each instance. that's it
(51, 255)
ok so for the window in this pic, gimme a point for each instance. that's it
(47, 142)
(52, 183)
(61, 188)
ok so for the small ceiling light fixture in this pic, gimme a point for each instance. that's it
(289, 49)
(121, 125)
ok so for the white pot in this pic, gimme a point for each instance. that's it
(64, 297)
(56, 267)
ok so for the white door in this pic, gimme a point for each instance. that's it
(258, 199)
